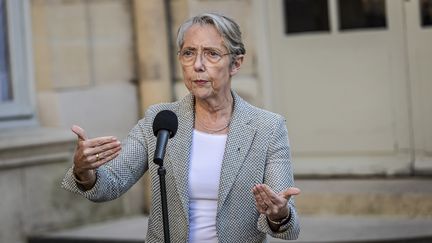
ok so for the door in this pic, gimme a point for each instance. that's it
(339, 75)
(419, 44)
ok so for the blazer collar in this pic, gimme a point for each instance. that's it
(240, 137)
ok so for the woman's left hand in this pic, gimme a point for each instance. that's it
(273, 205)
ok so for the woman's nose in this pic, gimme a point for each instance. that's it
(198, 63)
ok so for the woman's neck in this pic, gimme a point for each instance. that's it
(213, 116)
(215, 107)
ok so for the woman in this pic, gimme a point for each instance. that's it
(229, 175)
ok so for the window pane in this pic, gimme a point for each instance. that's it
(5, 82)
(306, 16)
(426, 12)
(361, 14)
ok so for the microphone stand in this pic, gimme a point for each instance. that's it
(161, 173)
(162, 141)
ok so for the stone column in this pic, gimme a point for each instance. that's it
(153, 61)
(152, 52)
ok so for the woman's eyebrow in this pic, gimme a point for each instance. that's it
(210, 48)
(190, 48)
(203, 48)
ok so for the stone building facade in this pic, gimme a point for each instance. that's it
(101, 63)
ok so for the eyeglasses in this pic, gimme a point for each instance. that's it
(210, 57)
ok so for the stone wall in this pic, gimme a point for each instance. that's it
(85, 65)
(84, 72)
(32, 164)
(85, 68)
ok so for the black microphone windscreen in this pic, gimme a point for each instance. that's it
(166, 120)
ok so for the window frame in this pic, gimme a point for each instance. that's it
(20, 111)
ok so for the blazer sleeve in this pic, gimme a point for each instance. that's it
(279, 176)
(118, 175)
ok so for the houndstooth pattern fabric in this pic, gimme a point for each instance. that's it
(257, 151)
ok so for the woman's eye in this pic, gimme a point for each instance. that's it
(187, 53)
(213, 54)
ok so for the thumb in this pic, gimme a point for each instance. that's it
(79, 132)
(287, 193)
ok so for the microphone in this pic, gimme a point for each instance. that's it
(165, 126)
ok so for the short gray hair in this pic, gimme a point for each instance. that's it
(228, 28)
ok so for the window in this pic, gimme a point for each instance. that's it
(15, 64)
(5, 84)
(306, 16)
(426, 12)
(362, 14)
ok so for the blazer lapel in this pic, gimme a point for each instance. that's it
(240, 137)
(180, 148)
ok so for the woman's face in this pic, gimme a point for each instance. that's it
(207, 80)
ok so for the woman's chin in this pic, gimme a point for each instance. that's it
(201, 93)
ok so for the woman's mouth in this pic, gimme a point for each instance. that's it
(200, 81)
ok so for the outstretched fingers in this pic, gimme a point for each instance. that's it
(272, 196)
(103, 150)
(99, 141)
(104, 160)
(259, 200)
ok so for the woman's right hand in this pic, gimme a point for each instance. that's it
(92, 153)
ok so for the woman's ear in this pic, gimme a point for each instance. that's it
(235, 66)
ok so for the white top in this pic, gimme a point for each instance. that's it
(204, 173)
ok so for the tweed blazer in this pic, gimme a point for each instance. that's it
(257, 151)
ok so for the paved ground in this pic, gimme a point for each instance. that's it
(382, 210)
(314, 229)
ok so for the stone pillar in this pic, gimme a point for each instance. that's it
(152, 52)
(153, 61)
